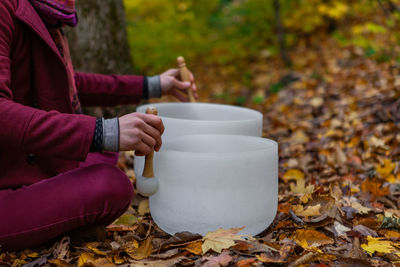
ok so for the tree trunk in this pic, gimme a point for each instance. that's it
(281, 34)
(99, 42)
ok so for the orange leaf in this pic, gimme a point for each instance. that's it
(195, 248)
(311, 238)
(246, 263)
(375, 187)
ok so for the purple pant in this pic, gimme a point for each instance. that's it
(95, 193)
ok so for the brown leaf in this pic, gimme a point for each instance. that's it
(179, 239)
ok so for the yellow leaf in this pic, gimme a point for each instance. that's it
(85, 258)
(126, 219)
(300, 187)
(33, 255)
(386, 169)
(221, 239)
(144, 207)
(293, 174)
(309, 211)
(97, 251)
(143, 251)
(305, 198)
(376, 244)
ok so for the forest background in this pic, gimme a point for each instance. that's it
(326, 76)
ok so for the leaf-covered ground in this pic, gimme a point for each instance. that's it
(337, 128)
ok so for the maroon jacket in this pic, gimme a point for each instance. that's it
(39, 135)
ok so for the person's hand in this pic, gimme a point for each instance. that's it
(172, 85)
(140, 132)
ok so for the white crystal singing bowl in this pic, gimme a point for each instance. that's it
(212, 181)
(201, 118)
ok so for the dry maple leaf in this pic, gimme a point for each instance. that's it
(386, 169)
(379, 245)
(300, 187)
(221, 239)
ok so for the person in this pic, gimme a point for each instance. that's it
(57, 165)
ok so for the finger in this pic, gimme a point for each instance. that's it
(143, 149)
(173, 72)
(148, 140)
(180, 85)
(155, 135)
(181, 97)
(154, 121)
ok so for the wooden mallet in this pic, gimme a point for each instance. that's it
(147, 184)
(185, 76)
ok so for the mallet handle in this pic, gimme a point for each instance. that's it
(148, 170)
(185, 76)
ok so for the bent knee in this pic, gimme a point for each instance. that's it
(111, 184)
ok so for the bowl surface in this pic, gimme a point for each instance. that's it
(202, 118)
(212, 181)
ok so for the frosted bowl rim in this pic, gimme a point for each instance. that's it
(273, 145)
(257, 113)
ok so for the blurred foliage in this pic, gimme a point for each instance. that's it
(237, 32)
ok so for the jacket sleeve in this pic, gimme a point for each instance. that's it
(27, 129)
(108, 90)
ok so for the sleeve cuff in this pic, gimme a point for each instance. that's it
(153, 86)
(111, 135)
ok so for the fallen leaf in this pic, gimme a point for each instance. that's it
(311, 238)
(60, 263)
(246, 263)
(221, 239)
(308, 211)
(143, 251)
(340, 229)
(144, 208)
(360, 208)
(375, 187)
(215, 261)
(195, 248)
(300, 187)
(293, 174)
(103, 262)
(299, 137)
(379, 245)
(126, 219)
(85, 258)
(386, 169)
